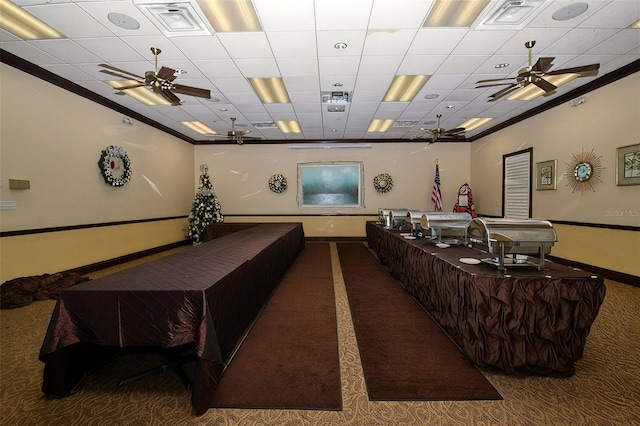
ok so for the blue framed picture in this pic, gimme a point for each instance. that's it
(336, 184)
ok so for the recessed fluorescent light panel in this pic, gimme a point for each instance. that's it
(24, 25)
(405, 87)
(380, 125)
(531, 91)
(270, 90)
(454, 13)
(199, 127)
(635, 24)
(231, 16)
(291, 126)
(140, 94)
(474, 123)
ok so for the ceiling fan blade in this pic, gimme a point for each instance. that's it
(455, 131)
(544, 85)
(167, 73)
(543, 65)
(115, 74)
(492, 85)
(584, 71)
(170, 97)
(504, 92)
(192, 91)
(491, 80)
(132, 86)
(112, 68)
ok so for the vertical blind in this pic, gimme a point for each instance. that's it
(517, 185)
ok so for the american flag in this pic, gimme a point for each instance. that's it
(436, 197)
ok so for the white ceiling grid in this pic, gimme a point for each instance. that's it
(384, 38)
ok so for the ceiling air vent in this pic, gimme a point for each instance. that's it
(404, 123)
(336, 97)
(264, 124)
(175, 18)
(510, 14)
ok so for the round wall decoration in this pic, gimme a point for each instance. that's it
(277, 183)
(383, 183)
(115, 165)
(583, 172)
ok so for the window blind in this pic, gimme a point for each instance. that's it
(517, 185)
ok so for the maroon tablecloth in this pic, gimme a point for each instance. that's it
(206, 295)
(519, 318)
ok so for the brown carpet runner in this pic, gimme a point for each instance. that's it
(405, 355)
(289, 359)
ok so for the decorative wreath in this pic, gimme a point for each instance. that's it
(115, 165)
(277, 183)
(383, 182)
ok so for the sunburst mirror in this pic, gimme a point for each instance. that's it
(583, 172)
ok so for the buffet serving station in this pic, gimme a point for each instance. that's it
(532, 318)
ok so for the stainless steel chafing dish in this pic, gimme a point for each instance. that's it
(398, 217)
(384, 217)
(414, 218)
(446, 225)
(500, 236)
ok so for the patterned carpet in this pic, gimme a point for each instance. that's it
(604, 391)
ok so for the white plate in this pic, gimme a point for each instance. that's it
(405, 234)
(443, 245)
(409, 237)
(469, 260)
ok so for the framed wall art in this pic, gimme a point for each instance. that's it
(628, 165)
(336, 184)
(546, 175)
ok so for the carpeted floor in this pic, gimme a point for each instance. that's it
(290, 359)
(404, 354)
(604, 391)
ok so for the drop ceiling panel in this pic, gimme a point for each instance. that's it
(285, 15)
(384, 38)
(70, 20)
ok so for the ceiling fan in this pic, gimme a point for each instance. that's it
(439, 132)
(537, 74)
(236, 135)
(160, 81)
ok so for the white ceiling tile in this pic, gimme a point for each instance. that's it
(545, 20)
(246, 45)
(379, 65)
(100, 11)
(285, 15)
(68, 72)
(288, 44)
(387, 15)
(204, 47)
(456, 64)
(305, 66)
(388, 42)
(421, 64)
(260, 67)
(618, 44)
(482, 42)
(373, 82)
(347, 65)
(326, 40)
(110, 49)
(342, 15)
(223, 68)
(70, 19)
(439, 41)
(578, 41)
(29, 52)
(67, 51)
(308, 84)
(143, 45)
(617, 14)
(305, 107)
(337, 82)
(233, 85)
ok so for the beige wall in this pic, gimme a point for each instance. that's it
(54, 138)
(610, 118)
(240, 177)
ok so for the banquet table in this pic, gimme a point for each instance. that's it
(205, 297)
(518, 319)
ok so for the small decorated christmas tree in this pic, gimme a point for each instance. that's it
(205, 209)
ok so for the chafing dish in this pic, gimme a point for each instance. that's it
(398, 217)
(384, 218)
(414, 218)
(517, 237)
(446, 225)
